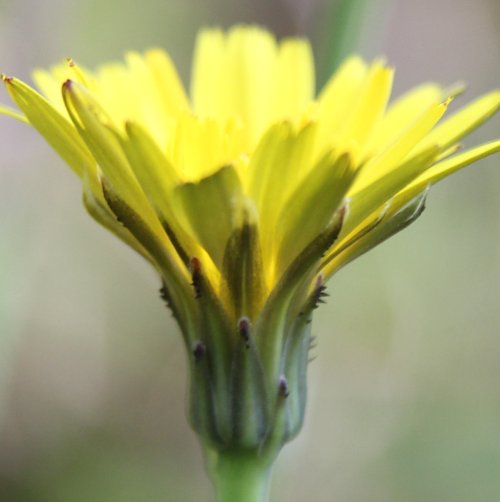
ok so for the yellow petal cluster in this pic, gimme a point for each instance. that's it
(252, 146)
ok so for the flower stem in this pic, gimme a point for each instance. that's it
(242, 477)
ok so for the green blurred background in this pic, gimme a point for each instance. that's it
(404, 392)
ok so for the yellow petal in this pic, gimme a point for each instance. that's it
(50, 87)
(114, 91)
(368, 110)
(405, 110)
(279, 164)
(311, 207)
(208, 65)
(152, 169)
(337, 99)
(58, 132)
(212, 207)
(463, 122)
(10, 112)
(95, 127)
(197, 147)
(171, 92)
(446, 167)
(295, 85)
(144, 87)
(247, 86)
(374, 195)
(389, 159)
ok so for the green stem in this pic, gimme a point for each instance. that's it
(240, 477)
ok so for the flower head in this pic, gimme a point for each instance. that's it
(253, 190)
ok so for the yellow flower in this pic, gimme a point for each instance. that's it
(252, 144)
(252, 188)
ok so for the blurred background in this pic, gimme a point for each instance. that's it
(404, 393)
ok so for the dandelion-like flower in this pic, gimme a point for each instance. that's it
(246, 197)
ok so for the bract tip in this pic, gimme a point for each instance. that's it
(244, 329)
(284, 391)
(195, 265)
(319, 280)
(199, 350)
